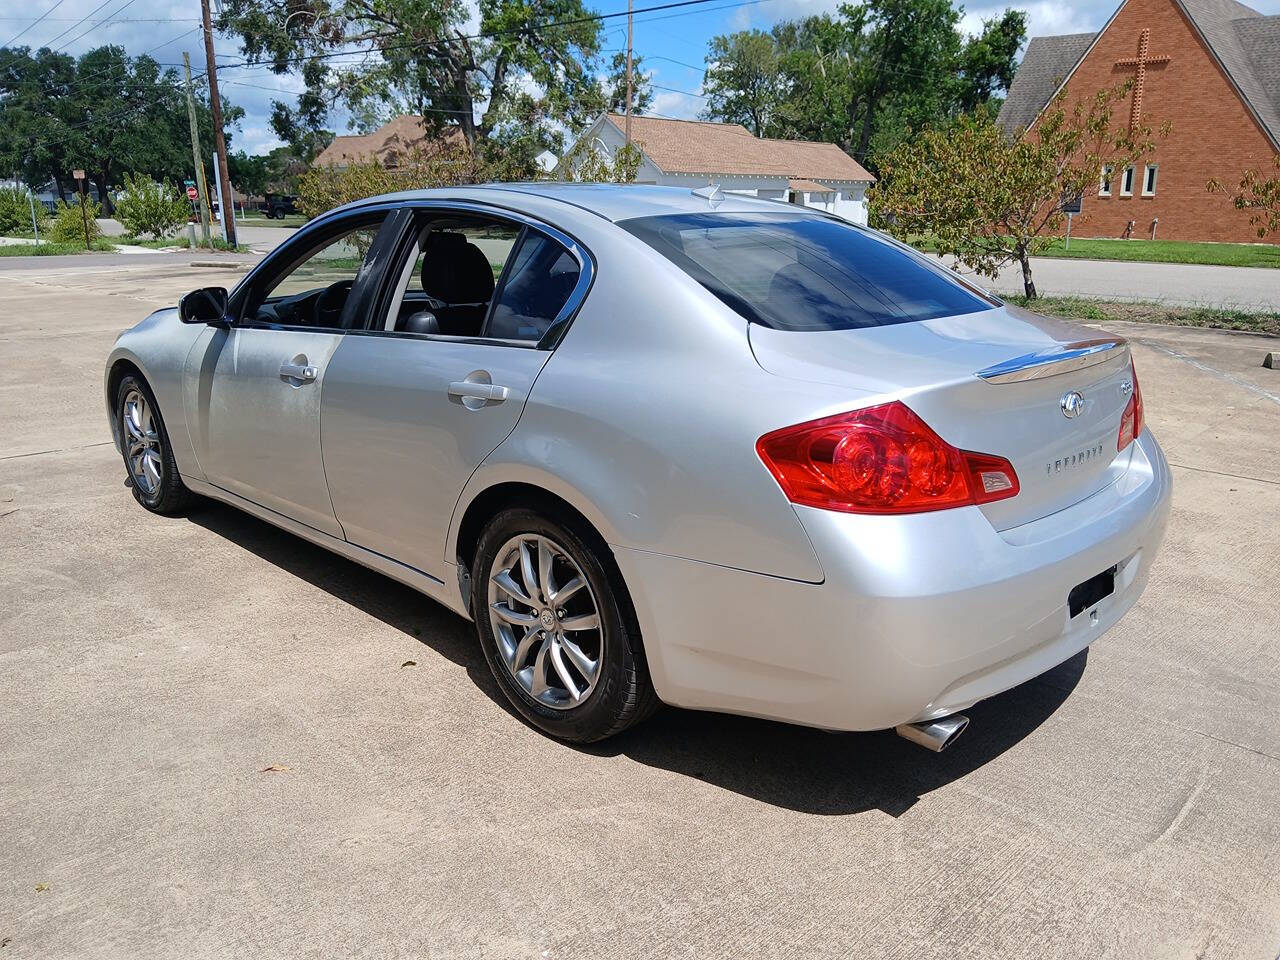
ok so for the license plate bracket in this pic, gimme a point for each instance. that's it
(1091, 592)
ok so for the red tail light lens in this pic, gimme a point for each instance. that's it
(1131, 419)
(881, 459)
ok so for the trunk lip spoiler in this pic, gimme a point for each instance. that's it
(1056, 360)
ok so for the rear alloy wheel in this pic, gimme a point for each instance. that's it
(148, 458)
(547, 611)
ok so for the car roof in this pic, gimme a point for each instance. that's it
(612, 201)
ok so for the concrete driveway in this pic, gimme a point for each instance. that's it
(219, 741)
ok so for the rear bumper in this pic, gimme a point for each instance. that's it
(919, 616)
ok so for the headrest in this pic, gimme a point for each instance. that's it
(455, 270)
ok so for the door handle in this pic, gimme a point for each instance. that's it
(474, 390)
(298, 371)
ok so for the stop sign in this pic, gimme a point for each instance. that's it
(191, 193)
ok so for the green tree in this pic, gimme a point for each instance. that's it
(106, 112)
(743, 80)
(1259, 195)
(989, 199)
(616, 85)
(863, 78)
(988, 61)
(149, 208)
(519, 84)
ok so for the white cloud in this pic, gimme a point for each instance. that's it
(681, 106)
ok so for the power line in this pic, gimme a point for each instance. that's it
(38, 20)
(77, 23)
(95, 26)
(526, 28)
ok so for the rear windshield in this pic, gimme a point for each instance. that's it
(794, 271)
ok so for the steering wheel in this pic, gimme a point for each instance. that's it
(328, 306)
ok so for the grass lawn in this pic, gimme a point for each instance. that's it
(1169, 251)
(45, 249)
(1082, 308)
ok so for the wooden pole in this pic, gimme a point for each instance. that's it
(629, 80)
(84, 213)
(195, 155)
(219, 140)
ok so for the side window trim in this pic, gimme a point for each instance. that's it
(586, 265)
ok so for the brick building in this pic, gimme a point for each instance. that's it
(1209, 67)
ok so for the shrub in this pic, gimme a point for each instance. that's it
(447, 165)
(15, 212)
(68, 225)
(147, 207)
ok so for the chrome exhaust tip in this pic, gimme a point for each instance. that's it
(936, 735)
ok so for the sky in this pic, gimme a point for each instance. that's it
(672, 42)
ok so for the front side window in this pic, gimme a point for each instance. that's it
(1126, 184)
(791, 271)
(315, 290)
(1149, 181)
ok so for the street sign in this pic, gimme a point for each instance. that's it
(192, 193)
(78, 174)
(1073, 204)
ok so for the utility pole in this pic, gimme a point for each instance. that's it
(629, 81)
(219, 141)
(195, 155)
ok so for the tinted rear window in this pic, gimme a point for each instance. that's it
(800, 272)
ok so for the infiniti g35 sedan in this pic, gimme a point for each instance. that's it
(667, 446)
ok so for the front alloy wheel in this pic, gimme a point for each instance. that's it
(148, 458)
(142, 444)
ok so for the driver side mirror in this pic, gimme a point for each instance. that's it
(206, 305)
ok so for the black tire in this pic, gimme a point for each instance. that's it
(623, 694)
(170, 495)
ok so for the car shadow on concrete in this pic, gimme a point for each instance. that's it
(812, 771)
(797, 768)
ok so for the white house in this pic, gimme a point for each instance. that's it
(696, 153)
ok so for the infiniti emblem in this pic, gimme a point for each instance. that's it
(1072, 403)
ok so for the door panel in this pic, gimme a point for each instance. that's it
(406, 421)
(255, 393)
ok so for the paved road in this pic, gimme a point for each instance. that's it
(1245, 288)
(259, 237)
(1124, 805)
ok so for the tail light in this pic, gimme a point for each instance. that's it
(1131, 419)
(882, 459)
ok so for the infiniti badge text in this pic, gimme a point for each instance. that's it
(1074, 460)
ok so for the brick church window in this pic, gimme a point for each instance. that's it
(1126, 182)
(1104, 189)
(1149, 181)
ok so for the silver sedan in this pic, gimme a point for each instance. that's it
(665, 445)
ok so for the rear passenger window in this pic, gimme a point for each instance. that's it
(539, 281)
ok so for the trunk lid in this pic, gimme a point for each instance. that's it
(995, 382)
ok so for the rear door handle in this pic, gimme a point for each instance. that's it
(298, 371)
(473, 390)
